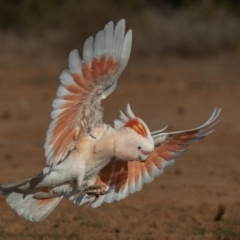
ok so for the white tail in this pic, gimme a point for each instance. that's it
(25, 201)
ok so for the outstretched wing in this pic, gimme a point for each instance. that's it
(77, 106)
(123, 177)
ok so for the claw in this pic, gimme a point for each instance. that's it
(86, 189)
(95, 196)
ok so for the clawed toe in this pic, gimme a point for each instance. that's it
(95, 196)
(86, 189)
(91, 191)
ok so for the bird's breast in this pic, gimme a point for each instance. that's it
(94, 150)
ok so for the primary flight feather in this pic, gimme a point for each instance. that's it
(88, 161)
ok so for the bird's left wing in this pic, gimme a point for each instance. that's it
(76, 108)
(125, 177)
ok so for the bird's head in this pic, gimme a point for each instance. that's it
(134, 140)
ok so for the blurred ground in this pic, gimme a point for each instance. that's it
(180, 92)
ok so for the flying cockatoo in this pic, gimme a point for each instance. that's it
(88, 161)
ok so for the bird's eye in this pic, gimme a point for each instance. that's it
(139, 147)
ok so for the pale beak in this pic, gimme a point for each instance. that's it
(143, 157)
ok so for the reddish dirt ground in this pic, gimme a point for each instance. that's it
(182, 203)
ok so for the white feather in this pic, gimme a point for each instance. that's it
(159, 131)
(132, 185)
(117, 124)
(98, 202)
(125, 192)
(49, 131)
(66, 78)
(29, 207)
(49, 158)
(58, 103)
(138, 184)
(48, 150)
(129, 112)
(123, 117)
(155, 171)
(118, 39)
(178, 153)
(88, 51)
(108, 39)
(75, 63)
(210, 121)
(146, 177)
(159, 139)
(56, 112)
(62, 91)
(99, 44)
(167, 163)
(109, 196)
(126, 49)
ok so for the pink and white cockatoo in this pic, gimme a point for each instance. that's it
(88, 161)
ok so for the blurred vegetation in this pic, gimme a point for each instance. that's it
(39, 14)
(175, 25)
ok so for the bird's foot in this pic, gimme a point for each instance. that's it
(93, 196)
(90, 189)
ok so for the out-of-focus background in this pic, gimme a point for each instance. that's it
(160, 27)
(185, 61)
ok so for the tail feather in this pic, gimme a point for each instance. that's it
(11, 185)
(24, 202)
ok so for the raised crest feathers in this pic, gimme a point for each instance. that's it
(131, 121)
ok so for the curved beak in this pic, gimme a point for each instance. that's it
(143, 157)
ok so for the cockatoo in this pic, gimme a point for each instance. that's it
(88, 161)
